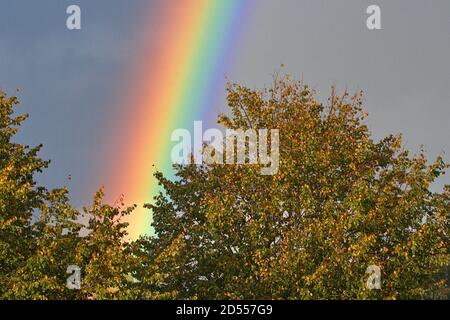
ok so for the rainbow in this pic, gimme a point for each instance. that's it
(181, 79)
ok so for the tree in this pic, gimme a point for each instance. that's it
(339, 203)
(104, 255)
(19, 196)
(43, 273)
(38, 228)
(41, 234)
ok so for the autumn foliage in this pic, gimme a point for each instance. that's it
(339, 202)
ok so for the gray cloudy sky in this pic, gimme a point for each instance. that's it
(68, 79)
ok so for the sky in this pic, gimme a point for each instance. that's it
(70, 81)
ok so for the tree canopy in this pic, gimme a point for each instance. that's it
(339, 203)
